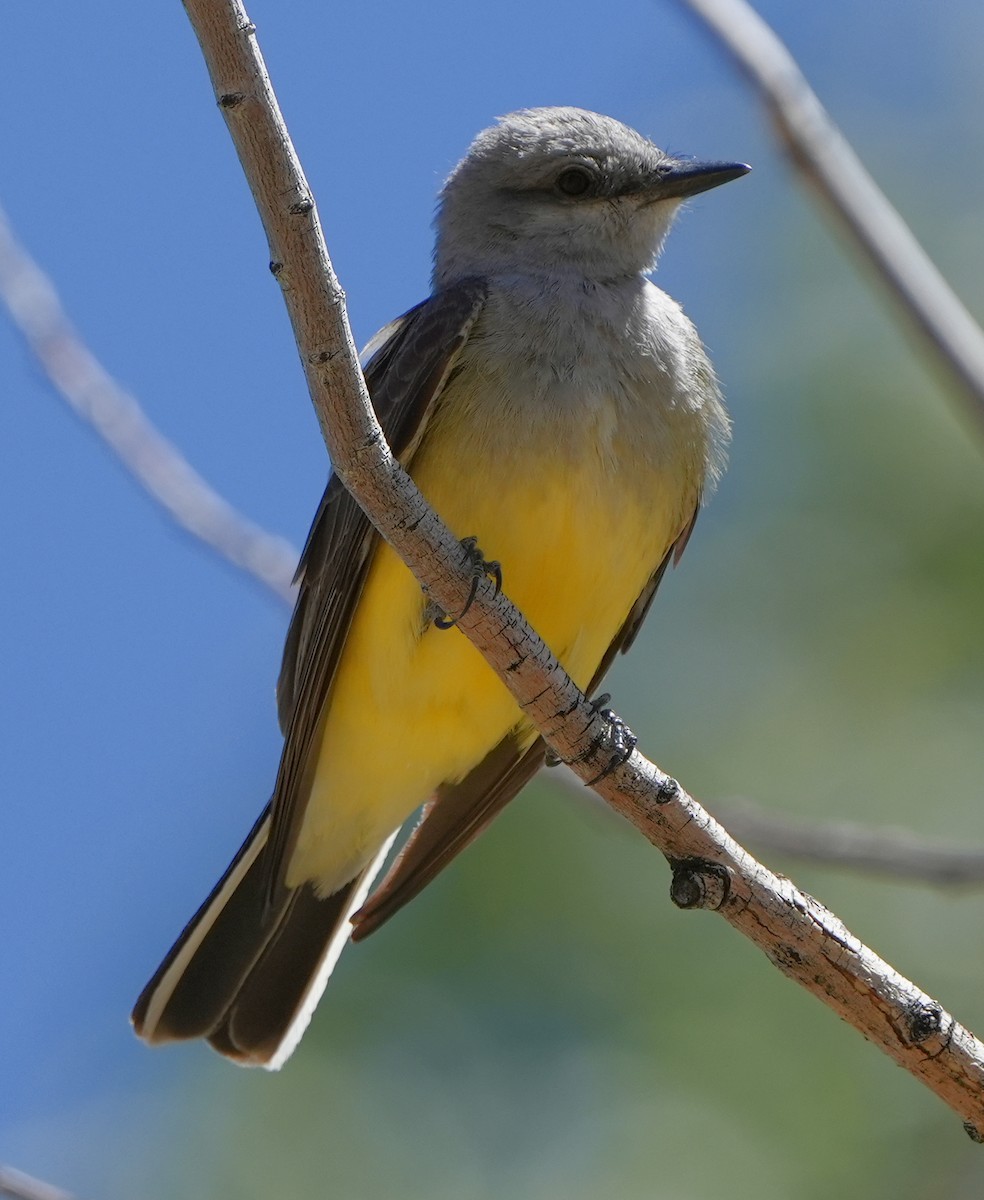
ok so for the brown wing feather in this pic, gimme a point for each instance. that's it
(453, 819)
(638, 612)
(405, 376)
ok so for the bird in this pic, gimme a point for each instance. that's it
(560, 413)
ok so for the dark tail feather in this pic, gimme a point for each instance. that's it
(192, 987)
(270, 1011)
(246, 975)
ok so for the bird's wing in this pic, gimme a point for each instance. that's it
(411, 362)
(454, 818)
(460, 811)
(637, 613)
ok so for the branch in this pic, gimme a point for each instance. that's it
(710, 870)
(878, 233)
(895, 853)
(155, 463)
(19, 1186)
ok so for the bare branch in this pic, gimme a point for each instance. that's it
(891, 852)
(827, 161)
(895, 853)
(155, 463)
(710, 869)
(19, 1186)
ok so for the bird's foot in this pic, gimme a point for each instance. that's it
(480, 568)
(618, 739)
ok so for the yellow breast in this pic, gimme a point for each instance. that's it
(578, 536)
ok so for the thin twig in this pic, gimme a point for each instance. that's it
(710, 870)
(19, 1186)
(154, 462)
(894, 853)
(878, 233)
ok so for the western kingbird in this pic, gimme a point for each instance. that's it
(546, 399)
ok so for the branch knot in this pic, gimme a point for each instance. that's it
(699, 883)
(923, 1021)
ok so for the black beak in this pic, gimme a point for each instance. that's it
(679, 179)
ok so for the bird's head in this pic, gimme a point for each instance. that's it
(561, 190)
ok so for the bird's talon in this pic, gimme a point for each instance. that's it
(618, 739)
(480, 569)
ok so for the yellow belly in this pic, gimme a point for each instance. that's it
(414, 706)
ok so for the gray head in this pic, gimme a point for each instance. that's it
(562, 189)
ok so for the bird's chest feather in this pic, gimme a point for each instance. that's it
(578, 489)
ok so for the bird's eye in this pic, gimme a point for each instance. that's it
(574, 181)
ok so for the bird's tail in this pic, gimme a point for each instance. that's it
(246, 974)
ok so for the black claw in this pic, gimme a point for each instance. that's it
(618, 738)
(480, 569)
(494, 571)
